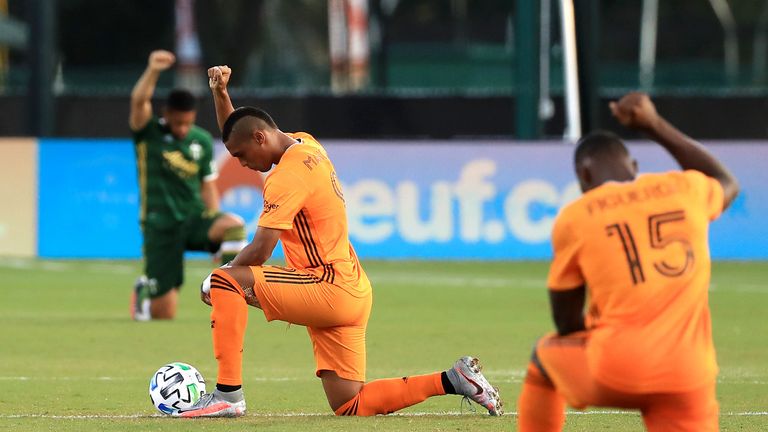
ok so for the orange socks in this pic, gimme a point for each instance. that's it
(229, 319)
(389, 395)
(539, 408)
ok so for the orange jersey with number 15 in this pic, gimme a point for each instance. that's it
(641, 248)
(303, 197)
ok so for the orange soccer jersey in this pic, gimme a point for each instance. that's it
(642, 250)
(303, 197)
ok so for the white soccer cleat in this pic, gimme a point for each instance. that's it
(215, 405)
(468, 380)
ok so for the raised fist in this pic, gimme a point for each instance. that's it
(635, 110)
(218, 77)
(161, 60)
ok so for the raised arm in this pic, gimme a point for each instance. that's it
(637, 111)
(218, 77)
(141, 96)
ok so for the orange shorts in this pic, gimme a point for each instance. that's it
(564, 359)
(335, 319)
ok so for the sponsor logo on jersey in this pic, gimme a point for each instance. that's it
(268, 206)
(180, 165)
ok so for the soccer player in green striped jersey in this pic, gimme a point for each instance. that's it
(178, 196)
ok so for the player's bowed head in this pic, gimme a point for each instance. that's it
(250, 134)
(601, 156)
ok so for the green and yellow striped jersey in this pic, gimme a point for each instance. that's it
(171, 172)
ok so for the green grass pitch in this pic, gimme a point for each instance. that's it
(71, 360)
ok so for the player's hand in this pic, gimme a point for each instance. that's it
(161, 60)
(206, 298)
(635, 110)
(218, 77)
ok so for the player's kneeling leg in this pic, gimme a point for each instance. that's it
(540, 407)
(386, 396)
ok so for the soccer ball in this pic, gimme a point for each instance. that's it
(175, 386)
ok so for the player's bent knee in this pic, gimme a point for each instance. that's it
(228, 235)
(162, 313)
(536, 361)
(241, 274)
(238, 279)
(235, 218)
(229, 220)
(338, 390)
(164, 307)
(227, 227)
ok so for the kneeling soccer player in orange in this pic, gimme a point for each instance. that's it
(639, 246)
(323, 288)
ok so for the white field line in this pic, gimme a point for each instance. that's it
(25, 264)
(414, 279)
(384, 276)
(741, 288)
(58, 266)
(303, 414)
(440, 279)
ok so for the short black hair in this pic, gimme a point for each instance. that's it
(181, 100)
(246, 111)
(598, 142)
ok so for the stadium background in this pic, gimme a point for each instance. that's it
(448, 139)
(440, 88)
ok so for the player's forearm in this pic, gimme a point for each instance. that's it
(223, 106)
(210, 196)
(252, 255)
(686, 151)
(690, 154)
(260, 249)
(145, 87)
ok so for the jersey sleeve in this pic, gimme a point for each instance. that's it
(564, 272)
(708, 192)
(208, 171)
(285, 193)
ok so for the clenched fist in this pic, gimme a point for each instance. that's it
(635, 110)
(161, 60)
(218, 77)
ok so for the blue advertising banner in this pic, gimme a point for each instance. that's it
(414, 199)
(89, 199)
(492, 200)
